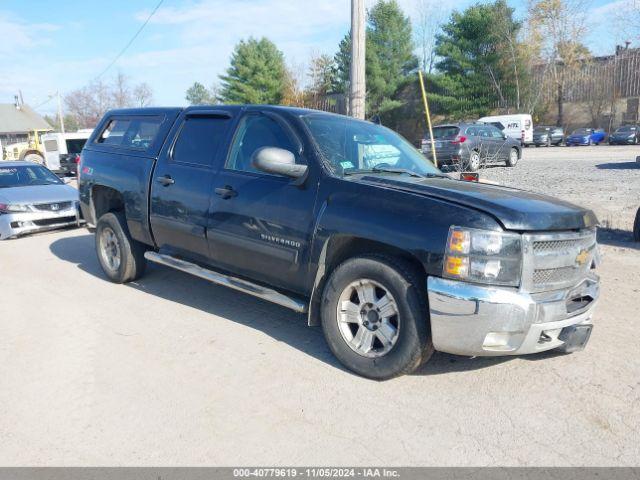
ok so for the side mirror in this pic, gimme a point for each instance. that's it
(278, 161)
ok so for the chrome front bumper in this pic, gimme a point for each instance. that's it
(22, 223)
(476, 320)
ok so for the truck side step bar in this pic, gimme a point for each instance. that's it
(225, 280)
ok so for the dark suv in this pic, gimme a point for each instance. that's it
(472, 145)
(547, 135)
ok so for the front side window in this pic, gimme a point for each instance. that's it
(495, 133)
(255, 132)
(349, 145)
(134, 132)
(199, 140)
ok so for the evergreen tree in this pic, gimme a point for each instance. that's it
(257, 74)
(198, 94)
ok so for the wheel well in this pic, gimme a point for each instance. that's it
(343, 247)
(24, 154)
(105, 199)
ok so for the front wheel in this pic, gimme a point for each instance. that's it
(120, 256)
(375, 316)
(513, 157)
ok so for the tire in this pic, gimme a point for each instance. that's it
(549, 142)
(513, 157)
(34, 157)
(590, 142)
(636, 227)
(474, 161)
(120, 256)
(359, 344)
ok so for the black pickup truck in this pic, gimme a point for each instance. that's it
(345, 221)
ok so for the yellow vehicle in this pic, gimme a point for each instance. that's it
(32, 150)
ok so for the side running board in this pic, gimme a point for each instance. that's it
(228, 281)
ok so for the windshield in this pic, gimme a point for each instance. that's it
(354, 146)
(626, 129)
(582, 131)
(444, 132)
(27, 175)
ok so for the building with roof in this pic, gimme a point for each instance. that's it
(17, 120)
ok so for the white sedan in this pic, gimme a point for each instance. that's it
(33, 199)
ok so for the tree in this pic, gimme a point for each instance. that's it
(321, 75)
(257, 74)
(143, 95)
(197, 94)
(428, 24)
(557, 29)
(88, 104)
(479, 60)
(70, 122)
(389, 56)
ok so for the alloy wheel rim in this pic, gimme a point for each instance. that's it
(475, 160)
(110, 249)
(368, 318)
(514, 156)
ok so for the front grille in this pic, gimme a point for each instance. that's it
(54, 221)
(552, 261)
(548, 245)
(53, 207)
(553, 275)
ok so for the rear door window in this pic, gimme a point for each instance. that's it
(199, 140)
(130, 132)
(51, 145)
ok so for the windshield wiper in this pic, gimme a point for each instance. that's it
(360, 171)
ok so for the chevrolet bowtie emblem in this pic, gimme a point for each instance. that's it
(582, 257)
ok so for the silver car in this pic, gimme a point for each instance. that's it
(33, 199)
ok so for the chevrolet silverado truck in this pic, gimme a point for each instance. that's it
(345, 221)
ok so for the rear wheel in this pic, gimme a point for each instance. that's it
(513, 157)
(120, 256)
(375, 317)
(474, 161)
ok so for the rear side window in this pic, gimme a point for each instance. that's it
(133, 132)
(75, 145)
(51, 145)
(199, 140)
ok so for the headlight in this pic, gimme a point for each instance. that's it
(483, 256)
(12, 208)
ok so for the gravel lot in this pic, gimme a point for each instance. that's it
(174, 371)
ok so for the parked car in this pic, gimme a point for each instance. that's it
(547, 136)
(62, 150)
(33, 199)
(472, 145)
(625, 135)
(345, 221)
(516, 126)
(586, 136)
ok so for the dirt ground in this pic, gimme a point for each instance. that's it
(171, 370)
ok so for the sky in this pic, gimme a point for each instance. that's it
(45, 49)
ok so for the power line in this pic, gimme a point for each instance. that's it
(132, 40)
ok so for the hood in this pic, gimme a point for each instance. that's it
(514, 209)
(37, 194)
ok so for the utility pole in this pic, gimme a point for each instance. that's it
(357, 82)
(60, 117)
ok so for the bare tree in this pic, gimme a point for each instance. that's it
(143, 95)
(320, 74)
(558, 27)
(627, 16)
(430, 16)
(88, 104)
